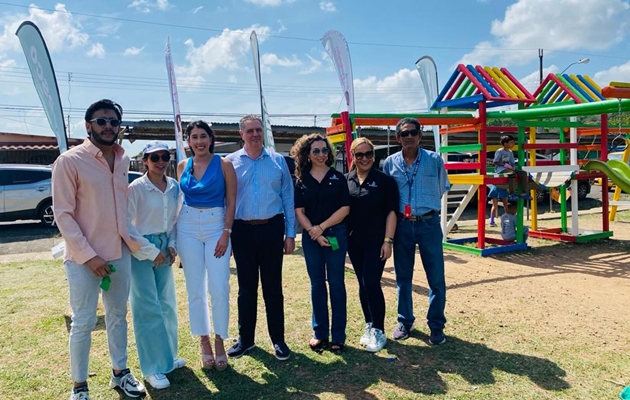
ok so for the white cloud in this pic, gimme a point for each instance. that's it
(224, 51)
(60, 30)
(315, 65)
(269, 60)
(401, 92)
(557, 25)
(197, 9)
(146, 6)
(618, 73)
(107, 28)
(282, 27)
(269, 3)
(97, 51)
(327, 6)
(133, 51)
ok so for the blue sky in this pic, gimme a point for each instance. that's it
(115, 49)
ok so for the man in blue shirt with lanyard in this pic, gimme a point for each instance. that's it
(264, 229)
(422, 180)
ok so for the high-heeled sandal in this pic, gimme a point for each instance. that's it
(221, 361)
(207, 360)
(337, 348)
(318, 345)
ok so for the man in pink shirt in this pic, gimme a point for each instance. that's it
(90, 205)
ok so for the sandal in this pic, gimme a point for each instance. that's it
(318, 345)
(221, 362)
(207, 360)
(337, 348)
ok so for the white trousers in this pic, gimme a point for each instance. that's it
(84, 291)
(198, 231)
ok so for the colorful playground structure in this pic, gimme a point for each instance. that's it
(555, 107)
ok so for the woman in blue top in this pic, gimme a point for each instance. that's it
(208, 183)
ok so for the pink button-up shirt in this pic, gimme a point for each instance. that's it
(90, 203)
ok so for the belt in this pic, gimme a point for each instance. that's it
(256, 221)
(422, 217)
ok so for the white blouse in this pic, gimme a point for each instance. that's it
(152, 212)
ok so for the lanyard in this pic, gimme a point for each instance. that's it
(413, 175)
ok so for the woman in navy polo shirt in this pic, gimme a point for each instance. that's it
(371, 227)
(322, 202)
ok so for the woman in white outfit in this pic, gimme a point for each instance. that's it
(153, 206)
(208, 183)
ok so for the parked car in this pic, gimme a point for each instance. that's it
(133, 175)
(26, 193)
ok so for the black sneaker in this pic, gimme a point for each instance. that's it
(437, 337)
(282, 351)
(126, 382)
(239, 349)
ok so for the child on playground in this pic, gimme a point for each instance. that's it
(508, 224)
(502, 157)
(504, 161)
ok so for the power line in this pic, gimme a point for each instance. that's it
(303, 39)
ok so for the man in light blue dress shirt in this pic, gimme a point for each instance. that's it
(264, 229)
(422, 180)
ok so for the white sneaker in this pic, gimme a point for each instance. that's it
(79, 396)
(158, 381)
(127, 383)
(179, 363)
(367, 333)
(378, 340)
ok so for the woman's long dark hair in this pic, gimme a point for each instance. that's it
(301, 150)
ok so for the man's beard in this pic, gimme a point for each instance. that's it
(99, 139)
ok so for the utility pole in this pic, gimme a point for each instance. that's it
(540, 67)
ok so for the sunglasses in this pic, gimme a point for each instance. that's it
(114, 122)
(412, 132)
(156, 157)
(323, 151)
(368, 154)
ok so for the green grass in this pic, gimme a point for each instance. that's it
(500, 345)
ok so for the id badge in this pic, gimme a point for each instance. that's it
(407, 213)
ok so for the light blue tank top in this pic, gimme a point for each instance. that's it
(209, 191)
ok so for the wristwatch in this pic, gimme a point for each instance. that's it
(388, 240)
(228, 230)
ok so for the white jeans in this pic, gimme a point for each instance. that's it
(198, 231)
(84, 291)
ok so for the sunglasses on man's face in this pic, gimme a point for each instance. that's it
(412, 132)
(323, 150)
(156, 157)
(114, 122)
(368, 154)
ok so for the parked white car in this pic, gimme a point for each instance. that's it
(25, 193)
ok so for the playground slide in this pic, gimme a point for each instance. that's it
(617, 171)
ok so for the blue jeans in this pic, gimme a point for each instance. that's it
(154, 311)
(323, 263)
(427, 234)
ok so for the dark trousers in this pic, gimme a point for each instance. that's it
(523, 178)
(365, 255)
(259, 249)
(325, 265)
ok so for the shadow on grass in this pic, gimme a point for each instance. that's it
(603, 258)
(419, 367)
(360, 375)
(184, 385)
